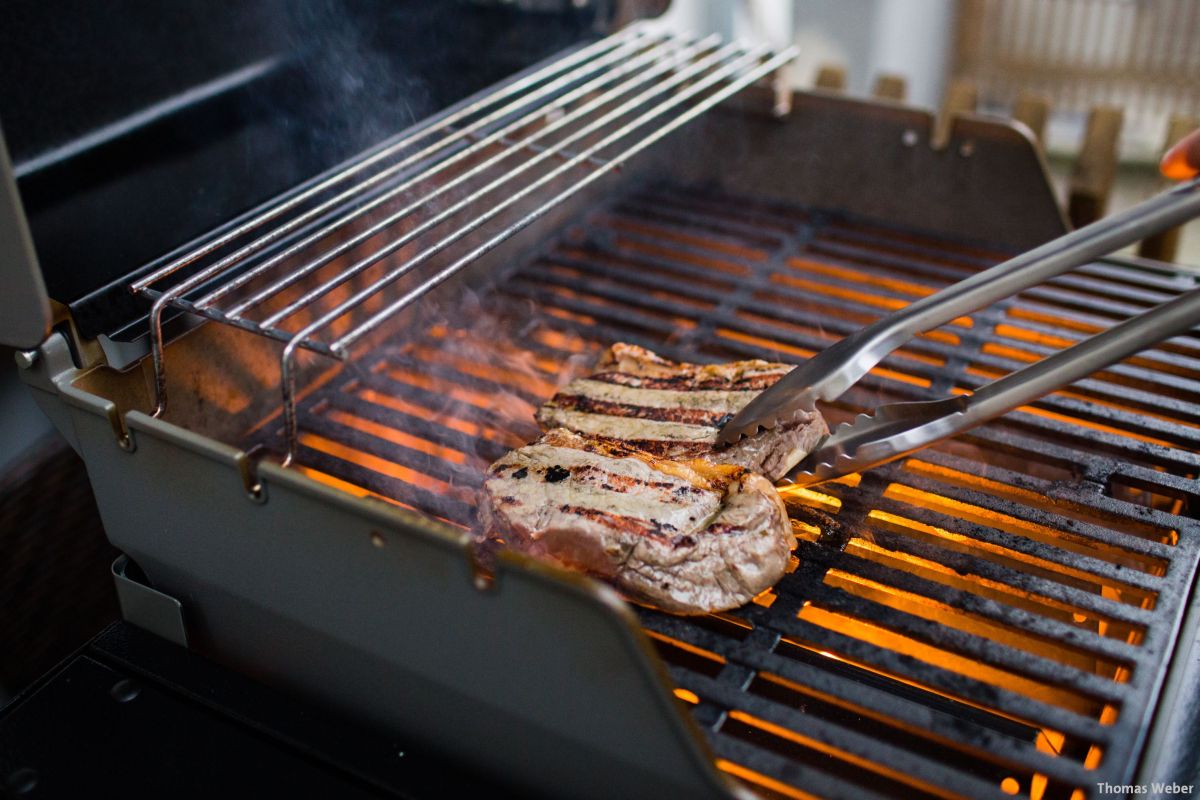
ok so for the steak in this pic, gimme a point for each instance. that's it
(674, 410)
(688, 537)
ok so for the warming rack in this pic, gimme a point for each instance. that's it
(578, 119)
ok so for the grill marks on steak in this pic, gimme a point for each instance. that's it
(674, 409)
(628, 484)
(687, 537)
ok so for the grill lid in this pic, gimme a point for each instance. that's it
(26, 317)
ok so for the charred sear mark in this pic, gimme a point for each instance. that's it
(521, 473)
(669, 448)
(616, 482)
(690, 382)
(617, 522)
(685, 416)
(557, 473)
(687, 540)
(625, 448)
(608, 446)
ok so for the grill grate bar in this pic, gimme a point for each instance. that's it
(902, 765)
(433, 400)
(986, 651)
(631, 316)
(1040, 589)
(866, 692)
(1026, 624)
(445, 437)
(436, 504)
(459, 378)
(1085, 565)
(1125, 548)
(816, 781)
(919, 695)
(1124, 394)
(1157, 524)
(423, 463)
(1002, 700)
(1066, 443)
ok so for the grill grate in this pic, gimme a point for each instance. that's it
(989, 617)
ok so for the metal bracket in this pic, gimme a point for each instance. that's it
(146, 607)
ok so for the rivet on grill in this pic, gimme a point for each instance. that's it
(910, 138)
(126, 443)
(124, 690)
(377, 539)
(255, 489)
(22, 781)
(966, 149)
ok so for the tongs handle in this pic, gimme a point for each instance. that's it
(875, 342)
(1080, 360)
(831, 372)
(897, 429)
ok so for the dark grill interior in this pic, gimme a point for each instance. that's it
(954, 624)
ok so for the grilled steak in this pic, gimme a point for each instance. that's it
(674, 410)
(689, 537)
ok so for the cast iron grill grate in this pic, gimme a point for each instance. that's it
(990, 617)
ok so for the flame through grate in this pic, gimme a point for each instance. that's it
(989, 618)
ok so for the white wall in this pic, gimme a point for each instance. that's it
(909, 37)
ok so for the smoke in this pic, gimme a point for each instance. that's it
(475, 364)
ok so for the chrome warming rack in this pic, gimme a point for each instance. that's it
(524, 148)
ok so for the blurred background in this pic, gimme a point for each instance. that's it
(1102, 84)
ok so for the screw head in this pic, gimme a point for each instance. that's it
(26, 358)
(124, 690)
(21, 781)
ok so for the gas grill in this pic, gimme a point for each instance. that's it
(287, 419)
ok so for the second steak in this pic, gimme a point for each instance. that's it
(674, 409)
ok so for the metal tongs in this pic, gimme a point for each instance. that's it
(897, 429)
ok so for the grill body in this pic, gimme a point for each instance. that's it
(1010, 606)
